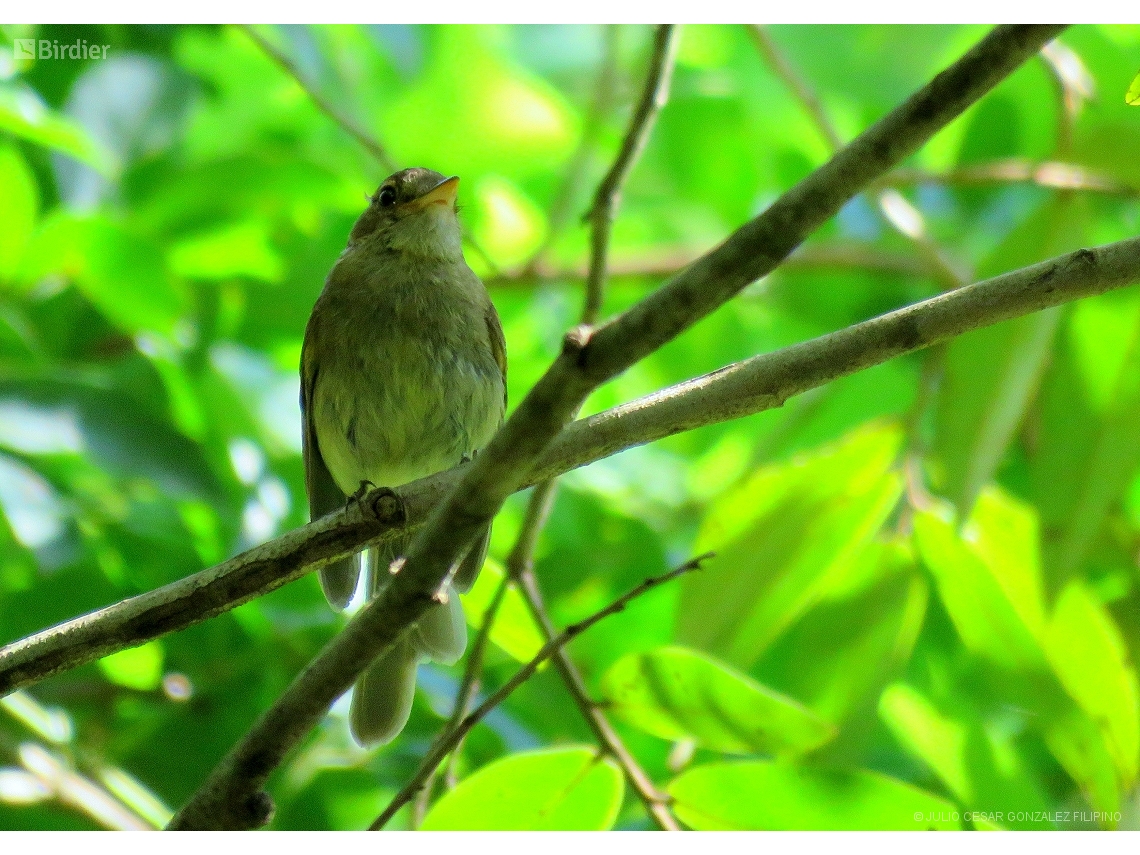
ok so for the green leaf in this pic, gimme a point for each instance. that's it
(783, 539)
(839, 656)
(768, 796)
(137, 668)
(989, 378)
(989, 578)
(562, 789)
(983, 770)
(1079, 746)
(23, 114)
(1088, 654)
(676, 693)
(514, 630)
(120, 272)
(1132, 96)
(20, 197)
(236, 249)
(990, 375)
(1090, 418)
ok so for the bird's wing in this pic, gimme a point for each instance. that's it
(498, 344)
(338, 579)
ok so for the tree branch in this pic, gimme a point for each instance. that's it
(833, 255)
(366, 140)
(442, 747)
(653, 97)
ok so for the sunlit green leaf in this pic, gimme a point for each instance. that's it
(136, 668)
(982, 769)
(990, 375)
(514, 629)
(989, 578)
(840, 654)
(677, 693)
(20, 197)
(765, 796)
(240, 249)
(1132, 96)
(1087, 652)
(562, 789)
(1090, 408)
(782, 539)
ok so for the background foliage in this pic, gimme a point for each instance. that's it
(924, 607)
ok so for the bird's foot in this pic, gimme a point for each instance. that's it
(360, 493)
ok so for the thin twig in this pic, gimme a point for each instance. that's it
(1051, 174)
(564, 198)
(601, 214)
(442, 747)
(666, 262)
(898, 212)
(366, 140)
(369, 142)
(656, 803)
(790, 76)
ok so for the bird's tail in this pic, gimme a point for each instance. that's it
(382, 700)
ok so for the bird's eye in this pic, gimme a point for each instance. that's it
(386, 197)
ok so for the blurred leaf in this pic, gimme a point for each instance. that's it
(983, 772)
(18, 787)
(50, 724)
(677, 693)
(989, 578)
(508, 224)
(20, 197)
(841, 653)
(132, 106)
(121, 273)
(23, 114)
(782, 539)
(990, 375)
(766, 796)
(1090, 418)
(1079, 746)
(116, 431)
(238, 249)
(138, 668)
(1132, 96)
(561, 789)
(514, 630)
(509, 121)
(1089, 656)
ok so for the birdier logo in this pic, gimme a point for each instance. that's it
(27, 50)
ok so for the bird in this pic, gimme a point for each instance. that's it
(403, 374)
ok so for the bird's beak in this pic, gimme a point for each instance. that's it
(442, 193)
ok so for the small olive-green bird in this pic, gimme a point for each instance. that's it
(403, 374)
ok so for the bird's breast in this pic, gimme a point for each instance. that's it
(393, 407)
